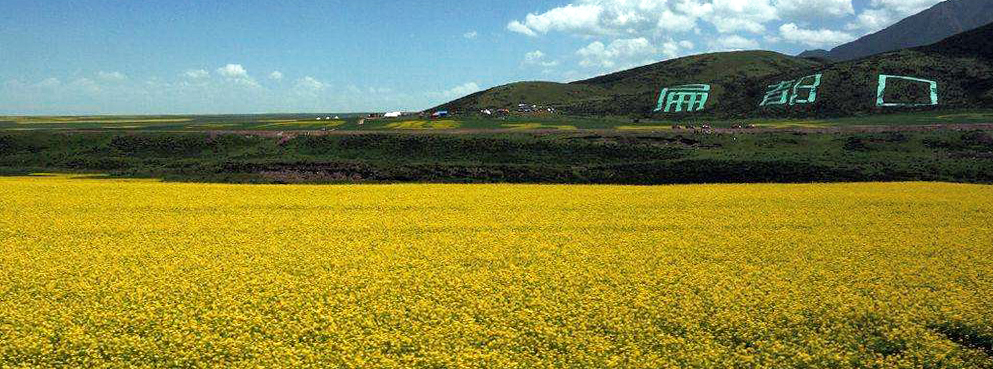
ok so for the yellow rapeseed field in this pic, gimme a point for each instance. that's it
(425, 124)
(114, 273)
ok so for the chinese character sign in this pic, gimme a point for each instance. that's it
(688, 98)
(802, 91)
(932, 89)
(778, 94)
(806, 86)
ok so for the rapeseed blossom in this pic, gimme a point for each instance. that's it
(115, 273)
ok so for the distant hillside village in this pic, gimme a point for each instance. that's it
(520, 109)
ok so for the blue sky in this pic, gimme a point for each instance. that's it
(255, 56)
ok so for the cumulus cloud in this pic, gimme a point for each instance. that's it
(622, 53)
(583, 18)
(196, 74)
(817, 38)
(904, 7)
(519, 27)
(49, 83)
(626, 53)
(310, 84)
(811, 9)
(733, 43)
(461, 90)
(237, 74)
(538, 58)
(233, 71)
(884, 13)
(646, 18)
(276, 75)
(470, 35)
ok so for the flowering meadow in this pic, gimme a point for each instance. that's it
(120, 273)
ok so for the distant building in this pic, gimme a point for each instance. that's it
(395, 114)
(440, 114)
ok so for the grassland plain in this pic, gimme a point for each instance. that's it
(465, 122)
(575, 157)
(110, 273)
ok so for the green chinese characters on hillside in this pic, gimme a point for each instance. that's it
(793, 92)
(686, 98)
(932, 87)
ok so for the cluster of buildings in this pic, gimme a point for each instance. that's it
(521, 108)
(402, 114)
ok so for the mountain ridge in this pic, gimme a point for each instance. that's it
(932, 25)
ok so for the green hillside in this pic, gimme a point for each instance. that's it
(635, 91)
(961, 67)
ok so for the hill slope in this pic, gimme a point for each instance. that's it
(961, 67)
(939, 22)
(635, 89)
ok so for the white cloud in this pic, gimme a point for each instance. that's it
(519, 27)
(904, 8)
(310, 85)
(730, 16)
(276, 75)
(196, 74)
(626, 19)
(470, 35)
(182, 95)
(626, 53)
(584, 18)
(538, 58)
(872, 20)
(817, 38)
(237, 74)
(85, 85)
(461, 90)
(884, 13)
(618, 54)
(670, 21)
(644, 18)
(813, 9)
(111, 76)
(49, 83)
(733, 43)
(233, 71)
(534, 56)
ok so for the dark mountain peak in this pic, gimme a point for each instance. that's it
(975, 43)
(815, 54)
(932, 25)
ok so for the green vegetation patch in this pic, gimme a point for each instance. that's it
(538, 126)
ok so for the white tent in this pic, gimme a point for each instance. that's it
(395, 114)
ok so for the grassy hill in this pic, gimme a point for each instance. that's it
(961, 65)
(636, 90)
